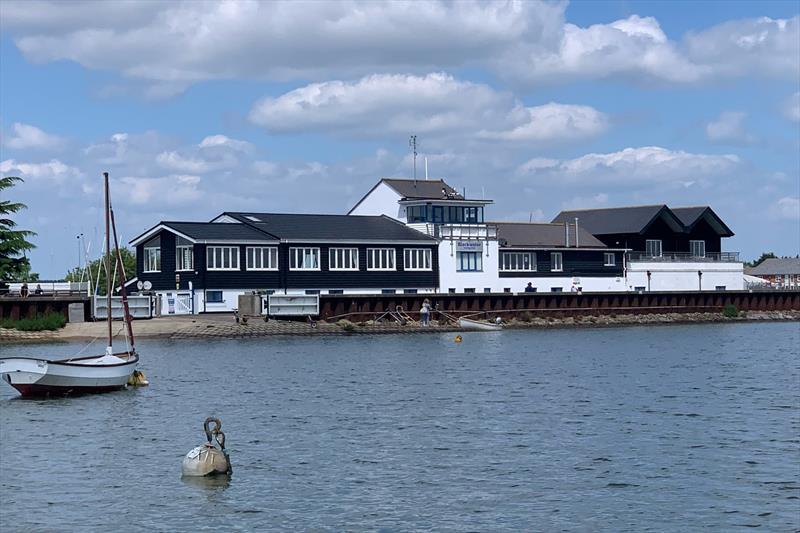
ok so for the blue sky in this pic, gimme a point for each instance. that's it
(199, 107)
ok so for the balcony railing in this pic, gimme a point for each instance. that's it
(454, 232)
(684, 257)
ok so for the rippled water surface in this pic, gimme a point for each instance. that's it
(629, 429)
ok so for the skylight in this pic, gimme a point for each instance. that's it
(251, 217)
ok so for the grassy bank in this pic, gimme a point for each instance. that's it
(49, 321)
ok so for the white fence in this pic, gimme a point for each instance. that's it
(138, 306)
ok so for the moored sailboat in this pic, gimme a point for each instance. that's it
(33, 376)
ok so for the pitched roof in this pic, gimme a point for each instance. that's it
(315, 227)
(612, 220)
(777, 266)
(422, 189)
(206, 231)
(523, 234)
(689, 216)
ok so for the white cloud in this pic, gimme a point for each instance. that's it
(170, 190)
(787, 208)
(436, 103)
(585, 202)
(53, 170)
(632, 166)
(791, 108)
(729, 127)
(214, 152)
(168, 45)
(26, 136)
(221, 140)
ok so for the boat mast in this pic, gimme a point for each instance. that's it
(109, 348)
(122, 281)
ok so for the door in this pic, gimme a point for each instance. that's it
(183, 303)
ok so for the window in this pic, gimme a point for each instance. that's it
(152, 259)
(335, 291)
(262, 258)
(222, 257)
(609, 259)
(471, 215)
(698, 248)
(417, 259)
(556, 262)
(469, 290)
(518, 261)
(487, 289)
(451, 290)
(343, 259)
(388, 291)
(417, 213)
(438, 214)
(652, 248)
(469, 261)
(409, 291)
(312, 291)
(303, 258)
(507, 289)
(640, 289)
(214, 297)
(380, 258)
(556, 289)
(719, 288)
(184, 257)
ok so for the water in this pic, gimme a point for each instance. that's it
(627, 429)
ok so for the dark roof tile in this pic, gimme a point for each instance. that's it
(522, 234)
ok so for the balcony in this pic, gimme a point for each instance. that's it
(457, 232)
(684, 257)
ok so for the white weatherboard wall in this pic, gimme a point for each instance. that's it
(683, 276)
(451, 278)
(546, 284)
(383, 200)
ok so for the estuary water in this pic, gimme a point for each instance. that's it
(658, 428)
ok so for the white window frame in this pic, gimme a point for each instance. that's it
(702, 244)
(152, 259)
(386, 259)
(348, 257)
(478, 262)
(556, 262)
(267, 256)
(417, 259)
(226, 252)
(647, 246)
(609, 259)
(182, 252)
(297, 258)
(514, 261)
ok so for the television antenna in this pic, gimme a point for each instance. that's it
(412, 143)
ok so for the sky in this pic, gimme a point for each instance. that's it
(195, 108)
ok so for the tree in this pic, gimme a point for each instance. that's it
(765, 255)
(128, 261)
(14, 265)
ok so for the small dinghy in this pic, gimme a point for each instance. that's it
(477, 325)
(33, 376)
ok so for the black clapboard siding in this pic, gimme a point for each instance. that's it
(671, 241)
(586, 263)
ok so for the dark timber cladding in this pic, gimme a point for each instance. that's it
(284, 232)
(631, 227)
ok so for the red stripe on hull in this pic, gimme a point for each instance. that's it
(32, 390)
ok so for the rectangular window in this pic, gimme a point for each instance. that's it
(303, 258)
(609, 259)
(451, 290)
(487, 289)
(388, 291)
(184, 257)
(652, 248)
(697, 248)
(312, 291)
(222, 258)
(152, 259)
(506, 289)
(343, 259)
(438, 214)
(556, 289)
(262, 258)
(417, 259)
(417, 213)
(517, 261)
(335, 291)
(719, 288)
(640, 289)
(469, 290)
(469, 262)
(409, 291)
(214, 297)
(556, 262)
(380, 258)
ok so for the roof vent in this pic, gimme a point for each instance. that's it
(252, 218)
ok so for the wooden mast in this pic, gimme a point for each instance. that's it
(109, 348)
(122, 280)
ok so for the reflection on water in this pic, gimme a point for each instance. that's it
(625, 429)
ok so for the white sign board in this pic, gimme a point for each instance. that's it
(469, 246)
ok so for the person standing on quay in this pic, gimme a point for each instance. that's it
(425, 312)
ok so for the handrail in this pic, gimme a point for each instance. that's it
(685, 257)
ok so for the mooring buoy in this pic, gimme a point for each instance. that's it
(457, 339)
(207, 459)
(138, 379)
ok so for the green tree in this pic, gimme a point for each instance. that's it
(14, 265)
(128, 260)
(765, 255)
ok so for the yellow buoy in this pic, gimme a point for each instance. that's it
(138, 379)
(458, 338)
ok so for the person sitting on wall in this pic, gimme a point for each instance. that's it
(38, 290)
(23, 291)
(529, 287)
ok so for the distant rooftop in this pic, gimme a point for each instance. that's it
(776, 266)
(532, 235)
(412, 189)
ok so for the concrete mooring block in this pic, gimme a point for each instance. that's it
(75, 313)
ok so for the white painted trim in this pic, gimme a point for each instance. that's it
(273, 269)
(229, 269)
(155, 230)
(225, 219)
(301, 269)
(340, 269)
(384, 242)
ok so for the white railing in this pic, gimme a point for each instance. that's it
(455, 232)
(684, 257)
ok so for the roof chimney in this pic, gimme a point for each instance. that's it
(566, 234)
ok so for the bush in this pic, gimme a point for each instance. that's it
(49, 321)
(730, 311)
(346, 325)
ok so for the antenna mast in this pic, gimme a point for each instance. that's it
(412, 143)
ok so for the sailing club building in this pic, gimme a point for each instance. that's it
(422, 237)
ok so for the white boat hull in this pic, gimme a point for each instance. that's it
(41, 377)
(475, 325)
